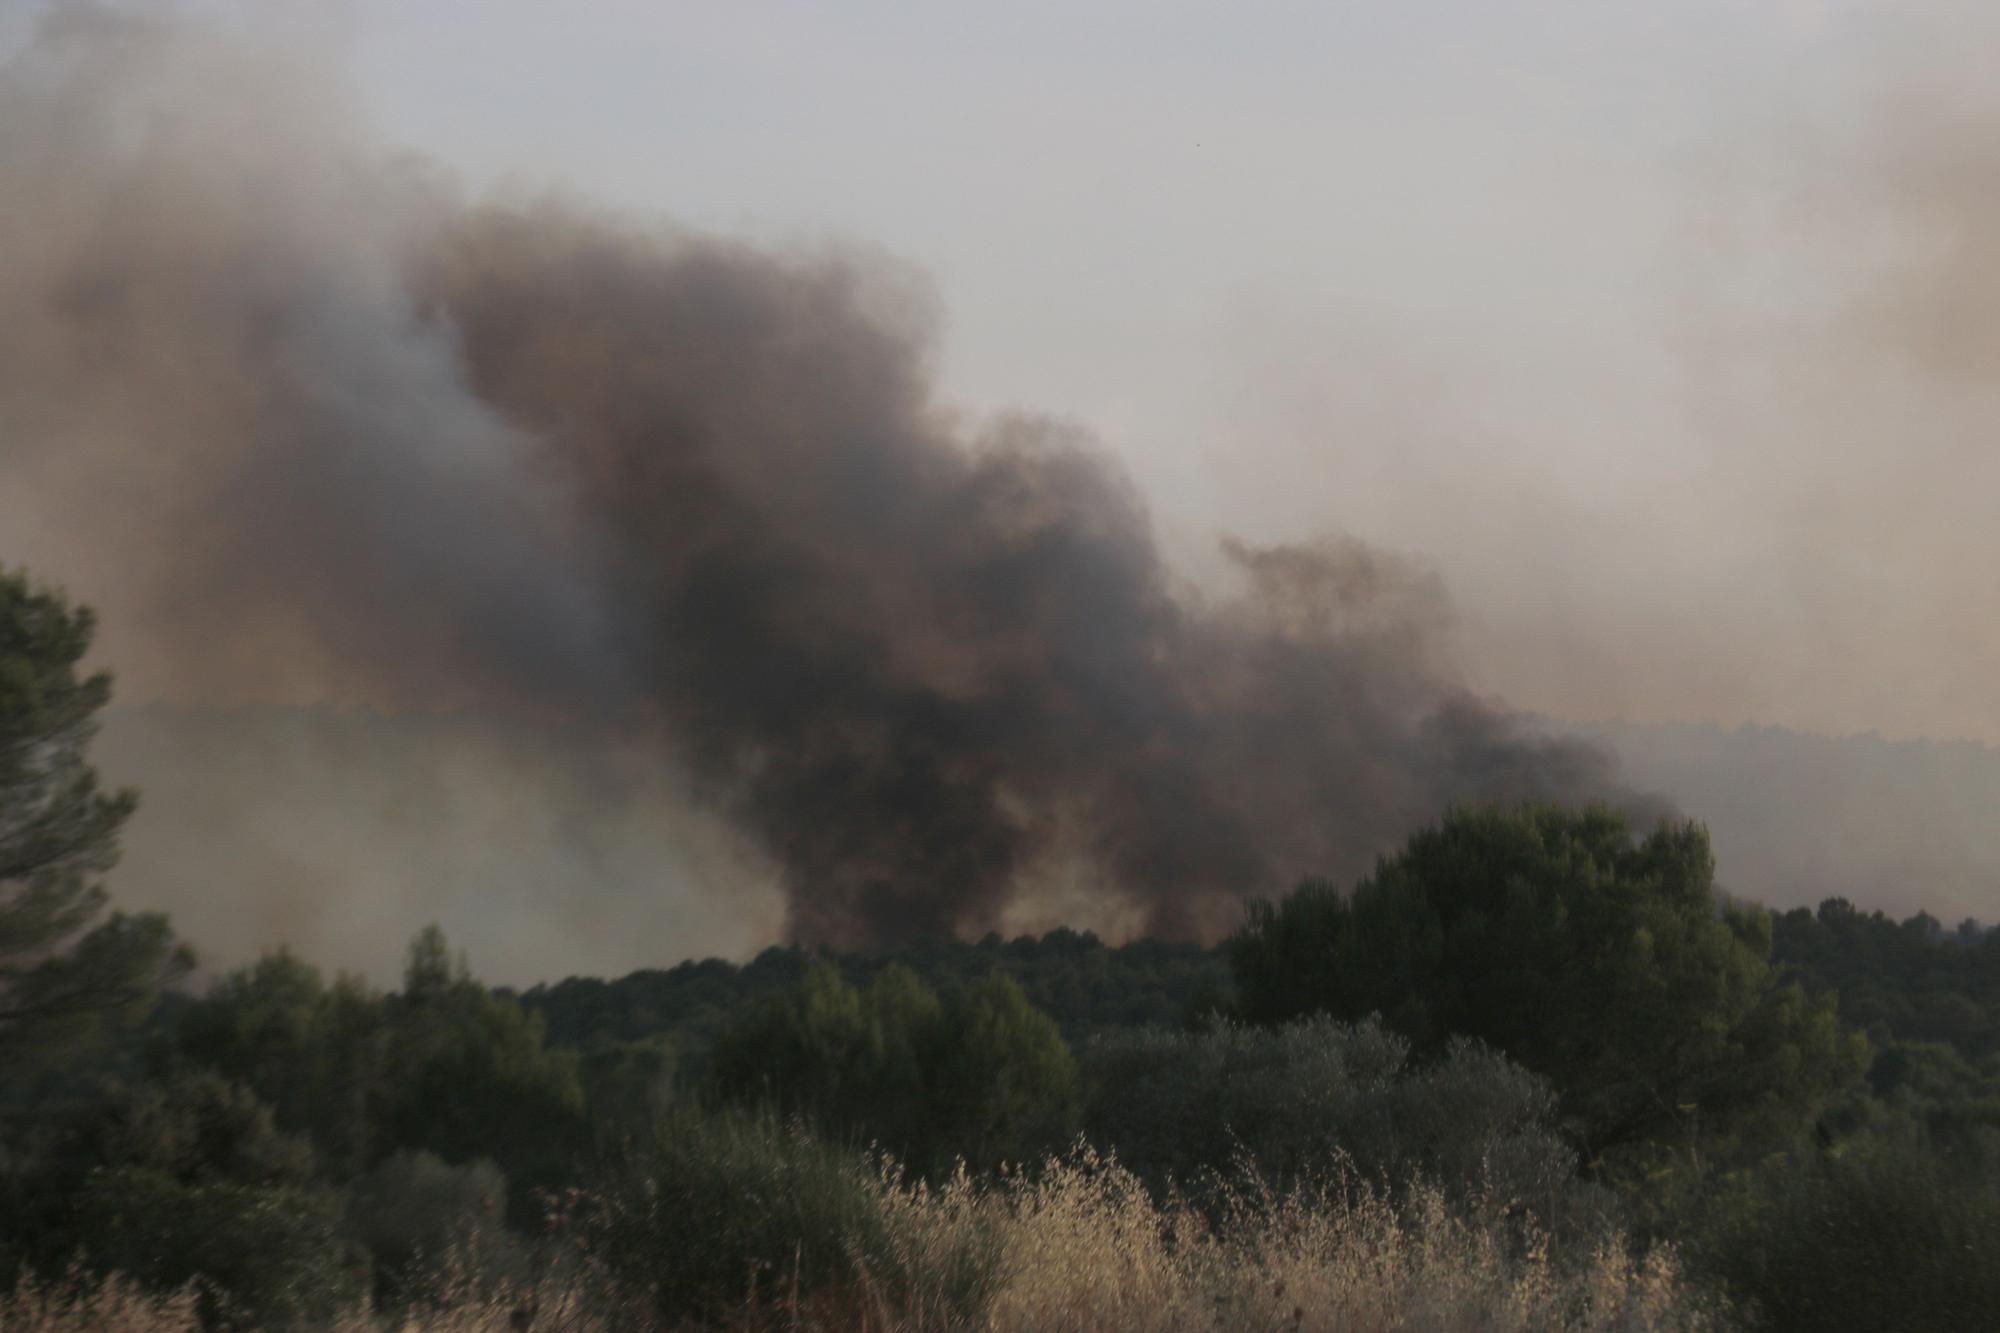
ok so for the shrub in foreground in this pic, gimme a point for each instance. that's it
(181, 1179)
(413, 1210)
(719, 1216)
(1894, 1236)
(745, 1223)
(1296, 1098)
(741, 1221)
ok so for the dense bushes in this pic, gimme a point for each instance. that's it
(412, 1209)
(1075, 978)
(742, 1221)
(265, 1254)
(181, 1179)
(728, 1215)
(1890, 1235)
(1603, 961)
(1297, 1100)
(1910, 980)
(781, 1233)
(979, 1075)
(286, 1140)
(444, 1065)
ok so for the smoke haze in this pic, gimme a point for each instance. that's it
(1746, 477)
(310, 429)
(614, 591)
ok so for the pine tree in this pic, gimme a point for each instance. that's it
(66, 967)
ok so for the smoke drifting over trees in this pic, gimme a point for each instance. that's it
(308, 428)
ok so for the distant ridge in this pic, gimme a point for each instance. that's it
(1899, 826)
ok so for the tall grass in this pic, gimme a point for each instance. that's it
(825, 1241)
(1082, 1244)
(746, 1223)
(114, 1304)
(85, 1304)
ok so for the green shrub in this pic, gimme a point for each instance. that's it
(1892, 1235)
(980, 1076)
(718, 1216)
(184, 1179)
(265, 1255)
(1296, 1099)
(1603, 960)
(412, 1211)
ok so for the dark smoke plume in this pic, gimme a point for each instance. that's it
(308, 428)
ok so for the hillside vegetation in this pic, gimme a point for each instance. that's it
(1533, 1072)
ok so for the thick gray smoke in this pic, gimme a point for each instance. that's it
(307, 428)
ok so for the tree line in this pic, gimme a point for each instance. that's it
(1545, 1017)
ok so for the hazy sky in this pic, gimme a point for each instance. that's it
(1623, 316)
(1549, 293)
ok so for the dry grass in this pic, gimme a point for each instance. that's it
(1083, 1246)
(1080, 1245)
(115, 1305)
(83, 1305)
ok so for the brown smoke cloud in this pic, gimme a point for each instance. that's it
(310, 429)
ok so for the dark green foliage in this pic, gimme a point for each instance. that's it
(1891, 1235)
(1601, 961)
(1002, 1083)
(192, 1127)
(1297, 1098)
(1930, 1092)
(268, 1256)
(321, 1054)
(1080, 982)
(806, 1049)
(689, 1003)
(1910, 980)
(628, 1084)
(718, 1216)
(980, 1075)
(473, 1077)
(411, 1099)
(412, 1209)
(186, 1178)
(445, 1066)
(65, 967)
